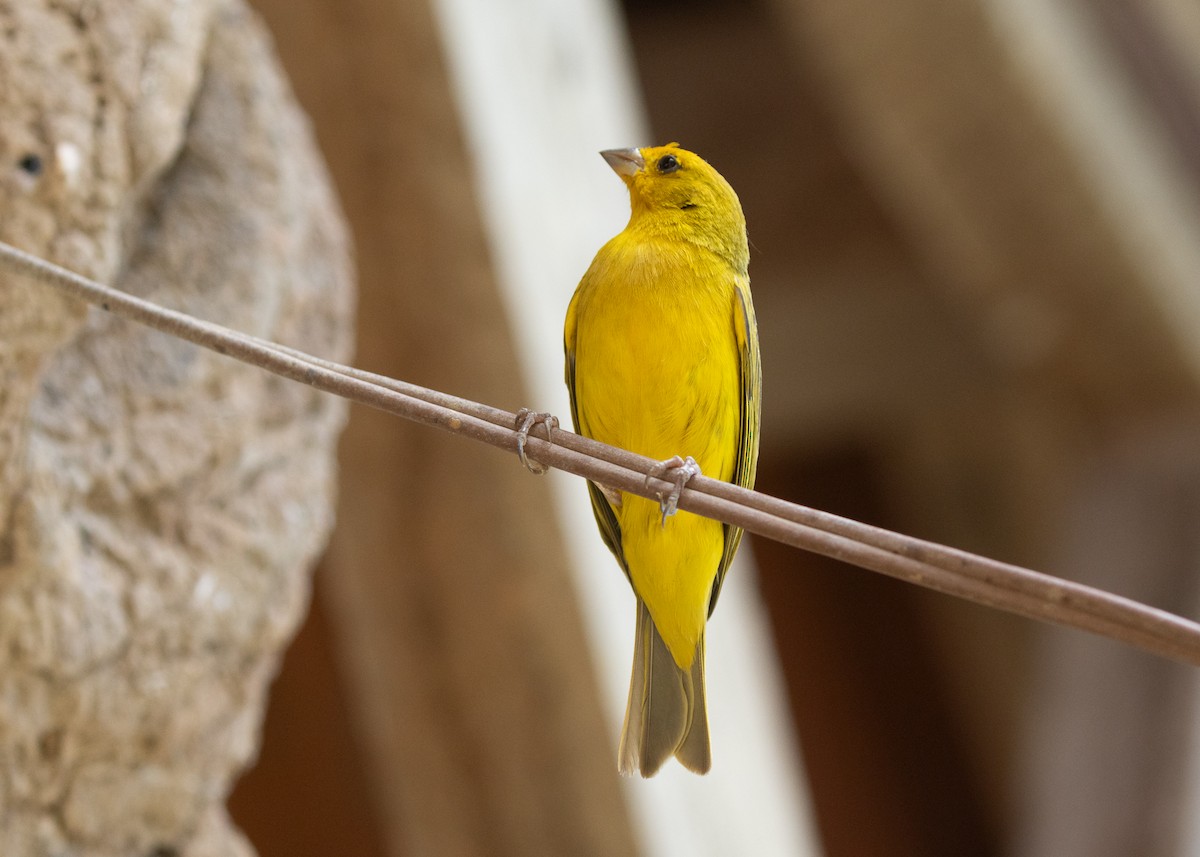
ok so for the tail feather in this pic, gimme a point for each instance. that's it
(667, 714)
(695, 753)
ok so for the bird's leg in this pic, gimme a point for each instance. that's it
(527, 419)
(678, 471)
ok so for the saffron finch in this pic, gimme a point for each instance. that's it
(662, 358)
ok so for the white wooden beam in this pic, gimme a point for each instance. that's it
(543, 85)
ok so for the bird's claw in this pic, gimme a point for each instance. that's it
(678, 471)
(527, 419)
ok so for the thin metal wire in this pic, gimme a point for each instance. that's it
(954, 572)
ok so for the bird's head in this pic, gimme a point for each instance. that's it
(676, 192)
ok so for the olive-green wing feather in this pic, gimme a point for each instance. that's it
(606, 518)
(746, 463)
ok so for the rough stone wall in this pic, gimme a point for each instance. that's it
(160, 506)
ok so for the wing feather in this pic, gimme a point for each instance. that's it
(746, 463)
(606, 516)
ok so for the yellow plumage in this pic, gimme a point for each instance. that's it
(662, 359)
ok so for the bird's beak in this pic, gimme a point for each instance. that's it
(625, 162)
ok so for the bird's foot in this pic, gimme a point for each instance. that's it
(678, 471)
(527, 419)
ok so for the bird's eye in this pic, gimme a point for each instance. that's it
(668, 164)
(30, 164)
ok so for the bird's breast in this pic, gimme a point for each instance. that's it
(656, 356)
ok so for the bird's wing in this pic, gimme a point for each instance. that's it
(606, 517)
(745, 329)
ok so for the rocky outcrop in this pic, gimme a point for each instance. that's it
(160, 506)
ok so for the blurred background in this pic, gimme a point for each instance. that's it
(976, 264)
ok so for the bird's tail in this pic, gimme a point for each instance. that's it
(667, 714)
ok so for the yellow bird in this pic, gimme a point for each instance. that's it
(662, 358)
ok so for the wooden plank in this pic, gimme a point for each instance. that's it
(1035, 155)
(471, 683)
(1029, 180)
